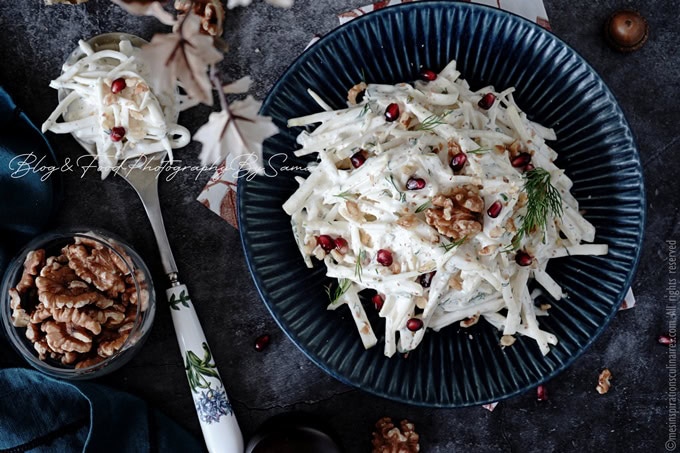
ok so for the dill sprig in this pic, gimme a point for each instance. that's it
(451, 245)
(543, 199)
(431, 122)
(424, 206)
(335, 294)
(346, 195)
(478, 151)
(358, 267)
(402, 195)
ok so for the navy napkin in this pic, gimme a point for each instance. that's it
(29, 189)
(40, 413)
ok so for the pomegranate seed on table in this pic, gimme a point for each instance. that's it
(458, 161)
(414, 324)
(487, 101)
(262, 342)
(425, 280)
(542, 393)
(523, 258)
(326, 242)
(358, 159)
(529, 167)
(520, 160)
(117, 133)
(666, 339)
(415, 183)
(392, 112)
(428, 75)
(118, 85)
(494, 209)
(378, 301)
(341, 245)
(384, 257)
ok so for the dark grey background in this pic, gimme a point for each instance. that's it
(264, 40)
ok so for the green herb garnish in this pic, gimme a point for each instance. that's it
(543, 199)
(364, 110)
(402, 195)
(335, 294)
(452, 245)
(358, 268)
(478, 151)
(431, 122)
(424, 206)
(346, 195)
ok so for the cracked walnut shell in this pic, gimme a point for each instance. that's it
(457, 214)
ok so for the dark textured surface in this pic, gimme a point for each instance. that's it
(632, 416)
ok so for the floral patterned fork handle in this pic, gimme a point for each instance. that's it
(218, 422)
(219, 425)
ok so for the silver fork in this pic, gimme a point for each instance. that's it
(216, 416)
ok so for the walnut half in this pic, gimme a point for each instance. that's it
(457, 214)
(389, 439)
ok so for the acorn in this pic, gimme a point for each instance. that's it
(626, 30)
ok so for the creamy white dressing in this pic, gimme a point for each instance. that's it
(367, 206)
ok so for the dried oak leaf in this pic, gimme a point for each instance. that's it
(183, 55)
(147, 8)
(236, 133)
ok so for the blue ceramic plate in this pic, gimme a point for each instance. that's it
(557, 88)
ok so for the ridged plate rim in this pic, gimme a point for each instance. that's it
(243, 199)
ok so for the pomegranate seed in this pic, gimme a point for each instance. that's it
(326, 242)
(542, 393)
(341, 245)
(415, 183)
(494, 209)
(358, 159)
(262, 342)
(392, 112)
(529, 167)
(117, 134)
(521, 160)
(118, 85)
(378, 301)
(487, 101)
(666, 339)
(458, 161)
(425, 280)
(414, 324)
(384, 257)
(428, 75)
(523, 258)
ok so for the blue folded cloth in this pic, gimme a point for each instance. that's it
(39, 413)
(30, 188)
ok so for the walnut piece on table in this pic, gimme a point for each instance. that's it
(390, 439)
(211, 13)
(457, 215)
(604, 381)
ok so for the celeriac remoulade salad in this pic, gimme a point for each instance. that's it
(444, 201)
(109, 104)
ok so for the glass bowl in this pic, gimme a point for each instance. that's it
(87, 311)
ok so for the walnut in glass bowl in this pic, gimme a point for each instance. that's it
(77, 305)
